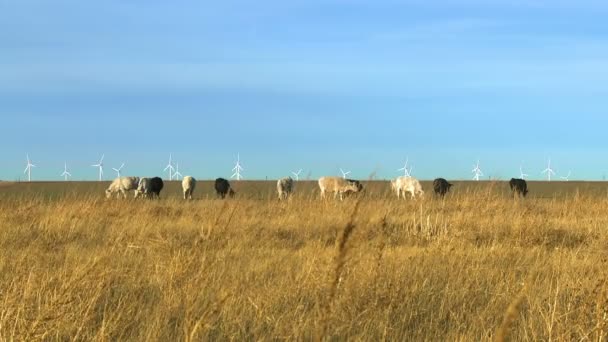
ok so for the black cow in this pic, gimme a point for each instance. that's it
(222, 187)
(156, 185)
(356, 183)
(441, 186)
(519, 186)
(149, 187)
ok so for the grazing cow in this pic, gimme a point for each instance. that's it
(121, 185)
(222, 188)
(519, 186)
(188, 185)
(404, 184)
(150, 187)
(441, 186)
(339, 186)
(284, 187)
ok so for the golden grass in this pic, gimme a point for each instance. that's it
(477, 266)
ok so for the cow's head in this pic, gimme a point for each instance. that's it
(108, 193)
(394, 184)
(231, 193)
(354, 185)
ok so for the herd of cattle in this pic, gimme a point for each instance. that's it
(340, 187)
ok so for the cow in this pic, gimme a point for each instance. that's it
(339, 186)
(222, 188)
(519, 186)
(441, 186)
(150, 187)
(121, 185)
(188, 185)
(284, 187)
(404, 184)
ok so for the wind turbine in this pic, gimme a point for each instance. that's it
(406, 172)
(344, 174)
(66, 173)
(28, 168)
(522, 175)
(170, 167)
(549, 171)
(100, 166)
(176, 174)
(119, 169)
(237, 168)
(567, 177)
(477, 172)
(297, 174)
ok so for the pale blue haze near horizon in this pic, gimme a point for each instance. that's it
(317, 85)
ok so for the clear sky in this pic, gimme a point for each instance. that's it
(311, 84)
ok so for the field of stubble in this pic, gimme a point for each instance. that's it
(478, 265)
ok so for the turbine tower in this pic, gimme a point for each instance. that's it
(237, 168)
(119, 169)
(297, 174)
(549, 171)
(100, 166)
(66, 174)
(176, 174)
(170, 167)
(477, 172)
(567, 177)
(522, 175)
(344, 173)
(406, 172)
(28, 168)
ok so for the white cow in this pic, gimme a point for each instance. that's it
(188, 185)
(121, 185)
(284, 187)
(338, 185)
(404, 184)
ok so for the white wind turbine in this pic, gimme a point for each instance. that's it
(170, 167)
(549, 171)
(297, 174)
(522, 175)
(477, 172)
(100, 166)
(567, 177)
(344, 173)
(237, 168)
(119, 169)
(177, 174)
(406, 172)
(66, 174)
(28, 168)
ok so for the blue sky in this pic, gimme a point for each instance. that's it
(316, 85)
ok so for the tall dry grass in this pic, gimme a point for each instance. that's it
(476, 266)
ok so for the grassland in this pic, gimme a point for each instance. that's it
(478, 265)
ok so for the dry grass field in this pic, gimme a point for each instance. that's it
(479, 265)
